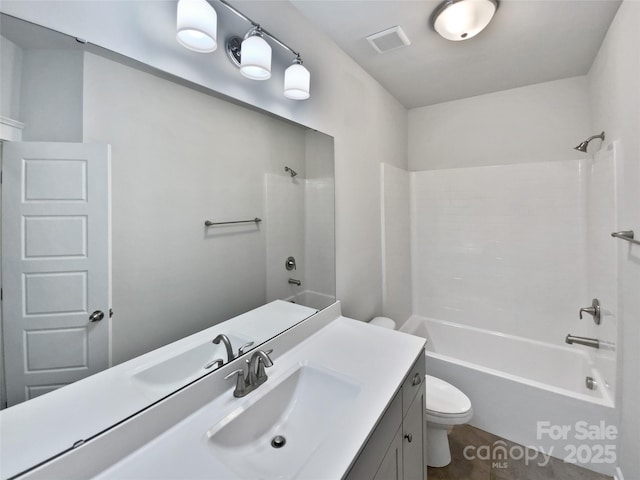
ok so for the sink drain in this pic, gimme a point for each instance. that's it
(278, 441)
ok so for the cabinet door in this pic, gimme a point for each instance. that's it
(413, 440)
(391, 466)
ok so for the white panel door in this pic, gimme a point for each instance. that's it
(55, 265)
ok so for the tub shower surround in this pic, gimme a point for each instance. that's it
(501, 248)
(504, 257)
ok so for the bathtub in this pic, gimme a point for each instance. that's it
(529, 392)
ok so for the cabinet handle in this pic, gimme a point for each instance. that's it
(409, 437)
(417, 379)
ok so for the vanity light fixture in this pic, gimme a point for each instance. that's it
(296, 81)
(197, 29)
(255, 58)
(458, 20)
(197, 24)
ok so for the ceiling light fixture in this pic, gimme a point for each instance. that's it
(197, 24)
(462, 19)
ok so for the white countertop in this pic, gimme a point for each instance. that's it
(376, 359)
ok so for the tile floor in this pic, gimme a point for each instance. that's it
(463, 469)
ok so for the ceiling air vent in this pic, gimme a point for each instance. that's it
(389, 39)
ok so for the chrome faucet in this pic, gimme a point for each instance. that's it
(587, 342)
(227, 345)
(593, 310)
(255, 376)
(293, 281)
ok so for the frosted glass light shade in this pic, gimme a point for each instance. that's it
(296, 82)
(463, 19)
(255, 58)
(197, 26)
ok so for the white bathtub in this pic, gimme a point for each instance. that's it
(529, 392)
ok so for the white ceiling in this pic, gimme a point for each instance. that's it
(527, 42)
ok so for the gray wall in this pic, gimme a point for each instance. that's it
(51, 97)
(180, 157)
(10, 78)
(537, 123)
(614, 87)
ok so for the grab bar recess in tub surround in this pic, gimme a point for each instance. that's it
(627, 235)
(209, 223)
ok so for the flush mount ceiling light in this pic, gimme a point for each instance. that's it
(197, 24)
(462, 19)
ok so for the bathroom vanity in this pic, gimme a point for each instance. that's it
(344, 398)
(395, 450)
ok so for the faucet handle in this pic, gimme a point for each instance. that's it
(593, 310)
(240, 383)
(244, 348)
(261, 375)
(218, 362)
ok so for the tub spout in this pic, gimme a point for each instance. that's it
(587, 342)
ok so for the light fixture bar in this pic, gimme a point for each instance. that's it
(257, 25)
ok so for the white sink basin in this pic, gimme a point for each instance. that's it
(179, 369)
(303, 408)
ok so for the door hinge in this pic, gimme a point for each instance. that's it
(1, 294)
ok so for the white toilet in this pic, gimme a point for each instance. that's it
(445, 407)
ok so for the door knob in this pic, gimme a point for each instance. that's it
(96, 316)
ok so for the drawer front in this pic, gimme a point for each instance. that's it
(413, 383)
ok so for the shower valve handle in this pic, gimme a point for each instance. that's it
(593, 310)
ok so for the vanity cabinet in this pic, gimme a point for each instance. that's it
(395, 449)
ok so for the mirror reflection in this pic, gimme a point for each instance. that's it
(105, 252)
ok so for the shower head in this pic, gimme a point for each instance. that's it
(291, 171)
(583, 146)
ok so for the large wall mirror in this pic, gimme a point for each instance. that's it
(179, 156)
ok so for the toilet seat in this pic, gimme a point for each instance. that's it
(445, 402)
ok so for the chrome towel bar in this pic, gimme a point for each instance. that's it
(209, 223)
(626, 235)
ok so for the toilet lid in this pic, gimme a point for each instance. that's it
(444, 398)
(384, 322)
